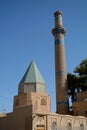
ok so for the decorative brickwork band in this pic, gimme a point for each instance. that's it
(62, 102)
(58, 18)
(59, 41)
(61, 73)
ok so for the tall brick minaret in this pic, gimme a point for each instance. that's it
(60, 65)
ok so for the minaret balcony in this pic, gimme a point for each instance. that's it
(59, 31)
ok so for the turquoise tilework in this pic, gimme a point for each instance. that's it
(61, 72)
(58, 19)
(61, 41)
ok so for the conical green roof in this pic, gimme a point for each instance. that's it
(32, 75)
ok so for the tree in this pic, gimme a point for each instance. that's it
(81, 69)
(77, 81)
(72, 84)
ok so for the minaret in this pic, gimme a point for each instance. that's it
(60, 65)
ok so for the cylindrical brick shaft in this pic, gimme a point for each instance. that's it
(60, 65)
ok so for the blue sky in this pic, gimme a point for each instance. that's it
(25, 34)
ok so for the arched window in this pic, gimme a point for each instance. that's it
(54, 126)
(43, 101)
(69, 127)
(81, 127)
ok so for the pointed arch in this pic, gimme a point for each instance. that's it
(69, 126)
(43, 101)
(54, 126)
(81, 127)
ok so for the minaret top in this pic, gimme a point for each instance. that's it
(58, 29)
(58, 13)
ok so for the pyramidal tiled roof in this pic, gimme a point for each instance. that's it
(32, 74)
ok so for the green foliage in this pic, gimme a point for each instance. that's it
(72, 83)
(82, 68)
(78, 80)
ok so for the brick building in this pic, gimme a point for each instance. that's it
(32, 107)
